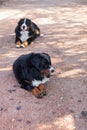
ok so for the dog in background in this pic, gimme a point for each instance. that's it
(26, 32)
(32, 71)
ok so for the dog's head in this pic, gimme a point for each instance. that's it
(25, 24)
(42, 63)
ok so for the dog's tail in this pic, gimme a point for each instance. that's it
(41, 35)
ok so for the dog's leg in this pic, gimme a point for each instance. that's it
(37, 32)
(42, 89)
(36, 29)
(17, 42)
(37, 92)
(25, 44)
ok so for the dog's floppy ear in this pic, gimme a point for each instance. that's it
(35, 63)
(20, 21)
(46, 56)
(32, 26)
(17, 31)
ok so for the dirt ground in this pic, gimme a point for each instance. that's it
(64, 25)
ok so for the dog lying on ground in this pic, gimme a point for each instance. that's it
(26, 32)
(32, 71)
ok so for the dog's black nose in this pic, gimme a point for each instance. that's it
(23, 27)
(52, 70)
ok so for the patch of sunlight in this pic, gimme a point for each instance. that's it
(6, 68)
(83, 40)
(44, 126)
(62, 123)
(74, 51)
(9, 55)
(44, 11)
(82, 19)
(43, 21)
(83, 60)
(1, 36)
(69, 43)
(6, 13)
(10, 34)
(56, 60)
(65, 123)
(76, 44)
(71, 73)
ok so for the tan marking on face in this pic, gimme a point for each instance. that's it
(45, 72)
(28, 28)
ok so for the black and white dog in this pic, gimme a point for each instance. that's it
(32, 71)
(26, 31)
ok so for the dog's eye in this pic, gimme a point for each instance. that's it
(46, 66)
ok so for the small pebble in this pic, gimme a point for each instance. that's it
(1, 109)
(71, 97)
(72, 111)
(18, 108)
(84, 114)
(19, 120)
(79, 100)
(28, 122)
(58, 105)
(77, 116)
(15, 86)
(41, 35)
(13, 120)
(11, 90)
(61, 98)
(11, 99)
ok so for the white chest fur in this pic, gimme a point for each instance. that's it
(24, 35)
(38, 82)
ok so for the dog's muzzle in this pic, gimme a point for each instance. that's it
(48, 72)
(51, 70)
(24, 27)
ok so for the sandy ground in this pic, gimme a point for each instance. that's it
(64, 25)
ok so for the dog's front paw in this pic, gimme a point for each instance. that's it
(25, 44)
(18, 44)
(37, 93)
(42, 89)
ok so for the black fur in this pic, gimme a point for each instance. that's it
(28, 68)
